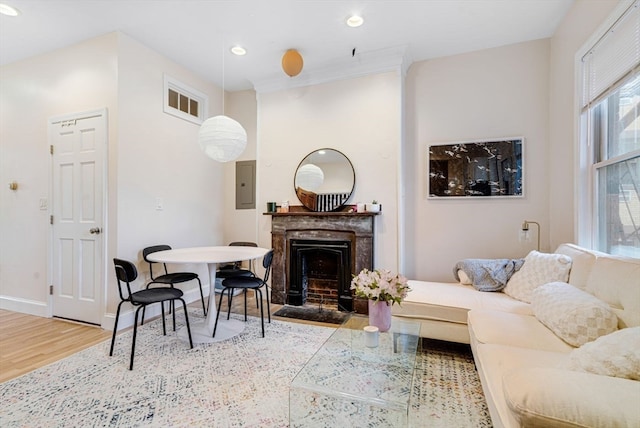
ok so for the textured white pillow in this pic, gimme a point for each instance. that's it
(538, 269)
(575, 316)
(616, 354)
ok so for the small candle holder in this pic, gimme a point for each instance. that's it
(371, 336)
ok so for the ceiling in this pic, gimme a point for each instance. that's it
(199, 33)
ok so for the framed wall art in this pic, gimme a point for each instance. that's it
(476, 168)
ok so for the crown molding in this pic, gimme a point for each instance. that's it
(361, 64)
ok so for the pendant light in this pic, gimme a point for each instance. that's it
(220, 137)
(292, 62)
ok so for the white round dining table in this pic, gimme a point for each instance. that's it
(202, 332)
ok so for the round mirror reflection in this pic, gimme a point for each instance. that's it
(324, 180)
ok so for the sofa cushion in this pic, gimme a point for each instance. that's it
(494, 361)
(616, 281)
(551, 397)
(574, 315)
(450, 302)
(538, 269)
(582, 261)
(616, 354)
(523, 331)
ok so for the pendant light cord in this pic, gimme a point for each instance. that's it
(223, 76)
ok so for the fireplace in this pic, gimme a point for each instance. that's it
(316, 254)
(320, 273)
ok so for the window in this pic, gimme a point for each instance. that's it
(184, 102)
(610, 138)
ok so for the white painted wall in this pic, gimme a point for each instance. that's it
(578, 25)
(359, 117)
(79, 78)
(499, 92)
(158, 157)
(241, 225)
(151, 154)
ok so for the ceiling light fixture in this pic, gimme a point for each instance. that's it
(238, 50)
(220, 137)
(355, 21)
(292, 62)
(5, 9)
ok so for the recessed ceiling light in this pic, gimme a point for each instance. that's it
(5, 9)
(355, 21)
(238, 50)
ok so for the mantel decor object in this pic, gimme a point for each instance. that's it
(373, 207)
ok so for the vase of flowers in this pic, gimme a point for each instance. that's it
(383, 289)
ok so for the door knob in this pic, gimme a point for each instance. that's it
(95, 231)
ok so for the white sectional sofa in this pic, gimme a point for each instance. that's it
(568, 356)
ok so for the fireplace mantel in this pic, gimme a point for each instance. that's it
(357, 228)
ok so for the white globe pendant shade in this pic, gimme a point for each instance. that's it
(222, 138)
(309, 177)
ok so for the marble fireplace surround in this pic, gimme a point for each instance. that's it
(357, 228)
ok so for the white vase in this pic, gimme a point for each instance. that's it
(373, 208)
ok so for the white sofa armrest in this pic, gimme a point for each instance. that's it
(553, 397)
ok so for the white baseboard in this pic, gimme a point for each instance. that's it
(41, 309)
(24, 306)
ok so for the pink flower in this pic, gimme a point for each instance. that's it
(380, 285)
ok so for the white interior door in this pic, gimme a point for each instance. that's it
(78, 146)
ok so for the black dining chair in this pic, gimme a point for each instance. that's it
(235, 268)
(228, 270)
(126, 273)
(248, 283)
(170, 278)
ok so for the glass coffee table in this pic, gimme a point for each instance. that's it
(347, 384)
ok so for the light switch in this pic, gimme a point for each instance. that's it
(44, 204)
(159, 204)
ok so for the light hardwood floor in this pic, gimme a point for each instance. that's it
(28, 342)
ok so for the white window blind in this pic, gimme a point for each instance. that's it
(612, 57)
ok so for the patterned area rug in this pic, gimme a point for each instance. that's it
(242, 382)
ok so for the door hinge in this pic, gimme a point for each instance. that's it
(51, 290)
(51, 219)
(51, 149)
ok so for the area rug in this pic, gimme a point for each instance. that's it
(311, 313)
(241, 382)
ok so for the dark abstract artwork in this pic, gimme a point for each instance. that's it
(476, 168)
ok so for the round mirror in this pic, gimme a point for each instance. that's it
(324, 180)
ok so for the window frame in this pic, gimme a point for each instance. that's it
(591, 160)
(191, 93)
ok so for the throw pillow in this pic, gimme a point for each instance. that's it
(616, 354)
(538, 269)
(575, 316)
